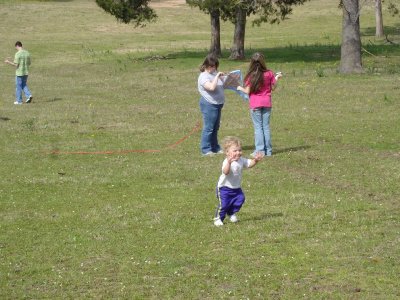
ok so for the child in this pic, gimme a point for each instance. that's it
(229, 192)
(259, 84)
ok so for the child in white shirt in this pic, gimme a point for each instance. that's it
(229, 191)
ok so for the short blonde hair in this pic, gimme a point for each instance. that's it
(230, 141)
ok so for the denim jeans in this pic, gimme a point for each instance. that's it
(20, 84)
(262, 134)
(211, 119)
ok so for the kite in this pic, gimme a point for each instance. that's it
(233, 80)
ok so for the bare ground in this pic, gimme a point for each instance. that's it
(168, 3)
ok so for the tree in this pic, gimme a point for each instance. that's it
(237, 11)
(237, 49)
(350, 56)
(126, 11)
(393, 10)
(378, 19)
(214, 9)
(215, 47)
(266, 11)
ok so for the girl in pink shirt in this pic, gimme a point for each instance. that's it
(259, 84)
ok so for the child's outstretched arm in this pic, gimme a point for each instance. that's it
(277, 77)
(256, 159)
(244, 89)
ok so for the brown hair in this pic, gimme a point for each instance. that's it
(255, 74)
(210, 61)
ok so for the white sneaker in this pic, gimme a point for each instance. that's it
(17, 103)
(29, 100)
(233, 218)
(218, 222)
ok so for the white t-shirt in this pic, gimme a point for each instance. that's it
(214, 97)
(234, 179)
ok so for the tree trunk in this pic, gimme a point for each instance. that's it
(350, 57)
(237, 50)
(378, 18)
(215, 47)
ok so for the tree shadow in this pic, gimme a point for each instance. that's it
(292, 53)
(5, 119)
(316, 53)
(389, 30)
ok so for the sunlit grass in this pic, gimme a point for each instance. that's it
(321, 216)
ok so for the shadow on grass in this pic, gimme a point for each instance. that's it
(389, 30)
(294, 53)
(5, 119)
(247, 148)
(283, 150)
(53, 99)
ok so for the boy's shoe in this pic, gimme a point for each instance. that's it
(29, 100)
(233, 218)
(17, 103)
(218, 222)
(220, 152)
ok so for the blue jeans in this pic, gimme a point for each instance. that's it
(262, 133)
(211, 119)
(21, 85)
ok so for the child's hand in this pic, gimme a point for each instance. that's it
(259, 156)
(278, 75)
(231, 157)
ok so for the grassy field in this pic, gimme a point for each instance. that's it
(321, 219)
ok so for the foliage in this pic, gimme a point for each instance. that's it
(393, 9)
(208, 6)
(273, 11)
(266, 11)
(126, 11)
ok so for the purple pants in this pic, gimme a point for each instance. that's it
(230, 201)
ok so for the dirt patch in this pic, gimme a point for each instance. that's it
(167, 3)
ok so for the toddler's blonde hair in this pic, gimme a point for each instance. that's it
(230, 141)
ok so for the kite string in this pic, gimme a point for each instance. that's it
(170, 146)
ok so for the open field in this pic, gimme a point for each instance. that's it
(321, 219)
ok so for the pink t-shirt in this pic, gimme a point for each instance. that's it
(262, 98)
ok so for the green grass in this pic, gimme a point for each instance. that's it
(321, 219)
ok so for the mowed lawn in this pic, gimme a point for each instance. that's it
(104, 193)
